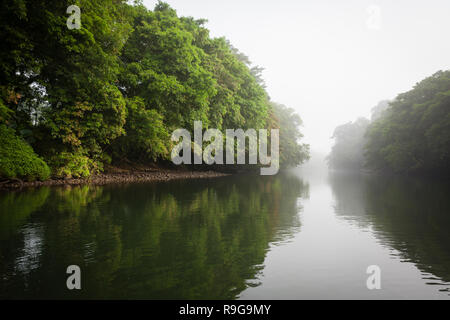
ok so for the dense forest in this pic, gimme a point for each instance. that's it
(409, 135)
(348, 150)
(74, 100)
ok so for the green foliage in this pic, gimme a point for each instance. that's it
(379, 109)
(117, 86)
(413, 134)
(65, 79)
(409, 135)
(86, 108)
(178, 70)
(163, 67)
(17, 158)
(292, 153)
(241, 102)
(74, 165)
(5, 112)
(348, 150)
(146, 136)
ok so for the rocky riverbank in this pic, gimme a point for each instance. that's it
(117, 176)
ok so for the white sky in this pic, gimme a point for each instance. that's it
(332, 60)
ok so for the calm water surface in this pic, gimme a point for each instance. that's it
(245, 237)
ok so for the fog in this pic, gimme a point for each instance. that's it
(332, 60)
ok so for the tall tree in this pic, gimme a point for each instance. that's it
(348, 150)
(413, 134)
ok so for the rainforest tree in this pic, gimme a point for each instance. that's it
(292, 152)
(413, 134)
(348, 150)
(114, 89)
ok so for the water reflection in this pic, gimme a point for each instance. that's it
(222, 238)
(183, 239)
(409, 215)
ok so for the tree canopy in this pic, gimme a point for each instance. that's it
(116, 87)
(409, 135)
(413, 134)
(348, 150)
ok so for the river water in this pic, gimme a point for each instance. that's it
(289, 236)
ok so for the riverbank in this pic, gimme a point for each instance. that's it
(114, 175)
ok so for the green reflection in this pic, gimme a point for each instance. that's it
(408, 214)
(193, 239)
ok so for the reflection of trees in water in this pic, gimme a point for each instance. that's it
(349, 197)
(15, 210)
(410, 215)
(43, 238)
(17, 206)
(183, 239)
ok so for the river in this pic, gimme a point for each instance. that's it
(289, 236)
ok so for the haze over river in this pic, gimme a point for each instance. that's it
(289, 236)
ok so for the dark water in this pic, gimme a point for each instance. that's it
(249, 237)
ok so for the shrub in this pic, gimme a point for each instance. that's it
(18, 160)
(74, 165)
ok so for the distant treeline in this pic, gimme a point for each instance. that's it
(409, 135)
(73, 100)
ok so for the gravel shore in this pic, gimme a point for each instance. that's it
(117, 178)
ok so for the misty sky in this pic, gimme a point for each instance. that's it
(332, 60)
